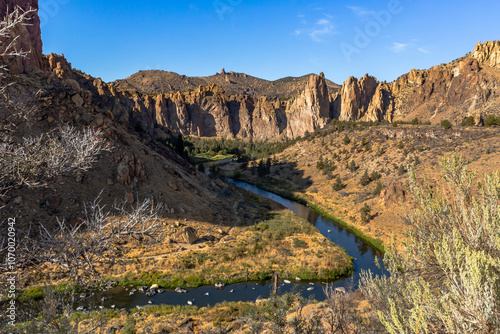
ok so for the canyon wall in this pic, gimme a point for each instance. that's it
(468, 86)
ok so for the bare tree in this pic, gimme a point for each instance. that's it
(77, 250)
(8, 36)
(36, 160)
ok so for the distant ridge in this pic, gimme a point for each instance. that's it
(156, 81)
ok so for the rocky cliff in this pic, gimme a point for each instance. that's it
(468, 86)
(29, 40)
(208, 111)
(465, 87)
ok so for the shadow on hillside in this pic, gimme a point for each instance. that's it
(282, 178)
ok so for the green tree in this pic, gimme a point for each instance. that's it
(365, 179)
(261, 169)
(346, 140)
(415, 121)
(338, 185)
(378, 189)
(365, 213)
(447, 277)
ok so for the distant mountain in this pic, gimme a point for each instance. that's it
(155, 81)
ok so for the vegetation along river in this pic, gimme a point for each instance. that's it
(363, 253)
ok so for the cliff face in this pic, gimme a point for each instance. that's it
(465, 87)
(30, 37)
(209, 112)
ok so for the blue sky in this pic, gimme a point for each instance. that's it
(269, 39)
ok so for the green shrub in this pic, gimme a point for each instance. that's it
(446, 124)
(468, 121)
(447, 277)
(346, 140)
(365, 179)
(365, 213)
(491, 120)
(415, 121)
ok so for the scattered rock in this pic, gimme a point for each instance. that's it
(79, 177)
(5, 199)
(340, 290)
(180, 290)
(18, 200)
(77, 99)
(129, 197)
(260, 299)
(53, 202)
(173, 185)
(154, 286)
(73, 84)
(50, 119)
(186, 235)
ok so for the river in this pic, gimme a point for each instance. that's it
(363, 253)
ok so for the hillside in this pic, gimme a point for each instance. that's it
(309, 169)
(155, 82)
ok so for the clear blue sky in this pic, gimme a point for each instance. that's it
(266, 38)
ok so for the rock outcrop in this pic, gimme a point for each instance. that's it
(310, 110)
(451, 91)
(30, 37)
(209, 112)
(488, 53)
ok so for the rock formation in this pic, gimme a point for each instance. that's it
(310, 110)
(30, 37)
(451, 91)
(465, 87)
(488, 53)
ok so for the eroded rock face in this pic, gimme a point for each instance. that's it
(393, 194)
(209, 112)
(30, 37)
(451, 91)
(488, 53)
(310, 110)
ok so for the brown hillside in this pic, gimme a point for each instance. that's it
(155, 81)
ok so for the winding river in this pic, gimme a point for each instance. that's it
(363, 253)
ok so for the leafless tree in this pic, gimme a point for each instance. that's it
(8, 37)
(77, 249)
(36, 160)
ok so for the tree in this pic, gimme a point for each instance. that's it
(365, 213)
(365, 179)
(261, 169)
(338, 185)
(415, 121)
(346, 140)
(447, 278)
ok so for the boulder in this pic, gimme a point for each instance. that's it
(77, 100)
